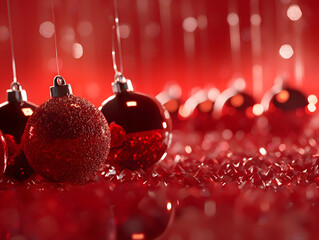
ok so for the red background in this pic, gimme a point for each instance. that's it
(151, 62)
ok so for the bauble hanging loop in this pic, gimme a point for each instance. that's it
(121, 84)
(60, 88)
(16, 94)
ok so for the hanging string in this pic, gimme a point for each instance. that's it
(55, 41)
(117, 31)
(11, 43)
(113, 51)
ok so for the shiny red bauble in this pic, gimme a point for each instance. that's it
(287, 110)
(14, 114)
(3, 155)
(67, 138)
(171, 99)
(200, 108)
(233, 108)
(141, 126)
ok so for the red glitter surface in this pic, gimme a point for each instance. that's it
(217, 185)
(67, 139)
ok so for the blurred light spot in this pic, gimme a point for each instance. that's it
(213, 94)
(262, 151)
(171, 106)
(190, 24)
(125, 30)
(210, 208)
(46, 29)
(227, 134)
(282, 147)
(188, 149)
(240, 84)
(294, 12)
(4, 33)
(27, 111)
(152, 30)
(286, 51)
(164, 124)
(312, 99)
(311, 107)
(206, 106)
(282, 96)
(138, 236)
(184, 111)
(175, 91)
(169, 206)
(258, 109)
(131, 103)
(202, 21)
(85, 28)
(233, 19)
(77, 50)
(255, 19)
(237, 100)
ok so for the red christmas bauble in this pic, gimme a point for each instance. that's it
(67, 139)
(14, 114)
(287, 110)
(3, 155)
(143, 127)
(171, 99)
(234, 108)
(201, 106)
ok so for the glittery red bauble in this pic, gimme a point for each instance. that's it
(3, 154)
(67, 139)
(287, 111)
(143, 127)
(18, 166)
(14, 115)
(234, 110)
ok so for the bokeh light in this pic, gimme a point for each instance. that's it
(286, 51)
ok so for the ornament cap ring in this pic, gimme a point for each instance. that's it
(16, 94)
(60, 88)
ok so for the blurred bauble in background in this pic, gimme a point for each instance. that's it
(234, 108)
(287, 109)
